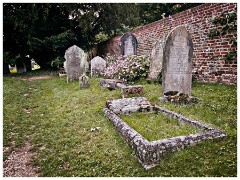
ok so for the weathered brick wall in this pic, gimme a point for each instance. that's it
(209, 53)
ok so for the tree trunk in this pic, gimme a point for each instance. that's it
(5, 68)
(28, 65)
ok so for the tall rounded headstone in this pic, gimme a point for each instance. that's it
(128, 44)
(75, 63)
(177, 62)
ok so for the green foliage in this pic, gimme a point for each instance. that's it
(62, 115)
(159, 78)
(150, 12)
(214, 32)
(228, 21)
(45, 31)
(8, 58)
(58, 62)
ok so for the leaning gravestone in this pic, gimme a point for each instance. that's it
(128, 44)
(177, 62)
(156, 59)
(76, 63)
(98, 66)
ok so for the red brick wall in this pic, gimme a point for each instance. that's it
(208, 54)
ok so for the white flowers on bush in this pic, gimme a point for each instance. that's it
(127, 68)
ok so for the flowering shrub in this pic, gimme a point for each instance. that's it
(127, 68)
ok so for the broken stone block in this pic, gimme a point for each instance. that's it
(126, 91)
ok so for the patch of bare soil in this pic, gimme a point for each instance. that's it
(18, 163)
(36, 78)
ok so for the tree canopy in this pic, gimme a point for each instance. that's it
(44, 31)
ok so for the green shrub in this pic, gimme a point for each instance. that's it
(127, 68)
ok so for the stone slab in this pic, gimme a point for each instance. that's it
(136, 90)
(129, 105)
(111, 84)
(150, 153)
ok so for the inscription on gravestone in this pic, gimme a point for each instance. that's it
(128, 44)
(76, 63)
(177, 62)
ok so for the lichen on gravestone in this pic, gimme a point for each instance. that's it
(76, 63)
(98, 66)
(177, 61)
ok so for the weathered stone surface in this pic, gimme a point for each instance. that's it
(76, 63)
(126, 91)
(129, 105)
(179, 98)
(121, 85)
(156, 59)
(111, 84)
(177, 62)
(84, 81)
(65, 66)
(128, 44)
(98, 65)
(148, 153)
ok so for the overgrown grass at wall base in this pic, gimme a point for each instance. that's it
(61, 117)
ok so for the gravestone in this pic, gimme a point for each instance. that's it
(84, 81)
(156, 59)
(177, 62)
(128, 44)
(76, 63)
(98, 66)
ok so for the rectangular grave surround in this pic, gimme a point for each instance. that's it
(149, 153)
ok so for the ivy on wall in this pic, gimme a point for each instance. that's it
(228, 22)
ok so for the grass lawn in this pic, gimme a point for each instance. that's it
(154, 126)
(57, 118)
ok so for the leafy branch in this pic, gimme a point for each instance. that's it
(228, 21)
